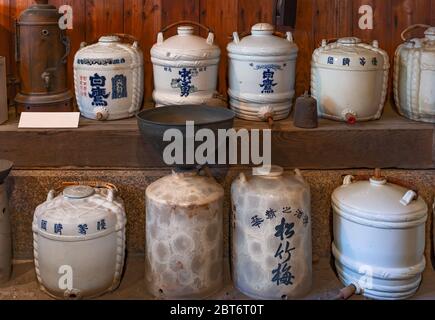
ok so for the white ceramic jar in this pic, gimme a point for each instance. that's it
(186, 67)
(79, 241)
(3, 92)
(262, 71)
(349, 80)
(379, 238)
(5, 225)
(414, 76)
(271, 235)
(184, 236)
(109, 79)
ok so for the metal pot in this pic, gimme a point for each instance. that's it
(42, 51)
(414, 76)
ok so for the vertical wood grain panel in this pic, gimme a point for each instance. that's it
(103, 17)
(174, 11)
(406, 13)
(220, 16)
(432, 9)
(303, 36)
(325, 24)
(345, 17)
(5, 31)
(255, 11)
(78, 34)
(143, 20)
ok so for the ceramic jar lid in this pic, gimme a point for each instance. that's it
(185, 189)
(263, 42)
(430, 33)
(350, 54)
(377, 201)
(185, 46)
(79, 212)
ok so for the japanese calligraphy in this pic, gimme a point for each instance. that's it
(287, 251)
(98, 92)
(282, 275)
(268, 81)
(270, 214)
(58, 227)
(284, 230)
(375, 61)
(44, 225)
(287, 210)
(83, 229)
(119, 87)
(256, 221)
(101, 225)
(346, 62)
(330, 60)
(363, 61)
(184, 82)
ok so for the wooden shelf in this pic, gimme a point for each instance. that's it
(392, 142)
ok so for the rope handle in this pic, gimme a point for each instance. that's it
(413, 27)
(93, 184)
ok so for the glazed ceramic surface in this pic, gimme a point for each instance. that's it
(185, 68)
(414, 77)
(349, 80)
(271, 235)
(379, 238)
(83, 228)
(109, 79)
(3, 92)
(5, 236)
(184, 236)
(262, 69)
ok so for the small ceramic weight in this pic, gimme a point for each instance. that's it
(305, 115)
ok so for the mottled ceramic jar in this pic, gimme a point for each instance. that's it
(185, 67)
(271, 235)
(349, 80)
(184, 236)
(109, 79)
(262, 71)
(79, 241)
(3, 92)
(379, 237)
(414, 76)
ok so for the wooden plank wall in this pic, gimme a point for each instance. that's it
(316, 20)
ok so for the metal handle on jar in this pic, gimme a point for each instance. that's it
(237, 37)
(133, 39)
(413, 27)
(210, 38)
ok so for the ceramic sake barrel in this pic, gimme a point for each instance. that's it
(349, 80)
(3, 92)
(379, 238)
(185, 67)
(271, 235)
(5, 236)
(184, 236)
(109, 79)
(79, 241)
(414, 76)
(262, 71)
